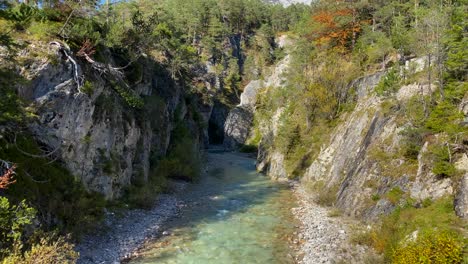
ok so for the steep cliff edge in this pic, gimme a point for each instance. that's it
(107, 135)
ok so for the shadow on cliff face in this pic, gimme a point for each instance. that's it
(216, 123)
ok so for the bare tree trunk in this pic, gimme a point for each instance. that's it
(429, 76)
(416, 5)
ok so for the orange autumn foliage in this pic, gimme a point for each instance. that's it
(335, 27)
(7, 178)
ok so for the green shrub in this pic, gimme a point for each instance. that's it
(22, 15)
(14, 219)
(395, 195)
(412, 142)
(88, 88)
(441, 159)
(394, 229)
(45, 30)
(361, 238)
(129, 96)
(445, 118)
(444, 169)
(375, 197)
(435, 247)
(50, 249)
(183, 160)
(389, 84)
(335, 212)
(82, 29)
(11, 107)
(60, 199)
(141, 196)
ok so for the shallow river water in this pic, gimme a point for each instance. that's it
(234, 215)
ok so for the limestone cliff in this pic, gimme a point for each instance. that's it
(360, 162)
(97, 132)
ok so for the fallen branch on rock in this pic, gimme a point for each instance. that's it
(88, 49)
(68, 53)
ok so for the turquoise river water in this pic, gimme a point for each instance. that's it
(234, 215)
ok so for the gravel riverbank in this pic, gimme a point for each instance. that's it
(120, 236)
(322, 237)
(325, 237)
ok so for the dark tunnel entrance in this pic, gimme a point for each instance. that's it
(215, 133)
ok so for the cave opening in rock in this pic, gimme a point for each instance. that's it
(215, 133)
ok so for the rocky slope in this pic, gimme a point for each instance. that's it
(356, 162)
(98, 132)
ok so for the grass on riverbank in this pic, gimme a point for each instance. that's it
(429, 234)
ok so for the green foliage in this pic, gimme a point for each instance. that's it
(143, 196)
(389, 84)
(183, 160)
(51, 248)
(14, 219)
(444, 168)
(374, 47)
(83, 29)
(22, 15)
(60, 200)
(434, 247)
(44, 30)
(88, 88)
(445, 118)
(412, 143)
(129, 96)
(11, 107)
(395, 195)
(375, 197)
(437, 219)
(442, 165)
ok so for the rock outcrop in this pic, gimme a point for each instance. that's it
(238, 124)
(357, 164)
(104, 141)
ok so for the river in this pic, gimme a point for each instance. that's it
(233, 215)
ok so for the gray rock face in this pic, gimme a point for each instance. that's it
(238, 124)
(237, 127)
(348, 162)
(102, 141)
(290, 2)
(461, 199)
(269, 160)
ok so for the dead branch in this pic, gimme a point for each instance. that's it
(459, 148)
(67, 52)
(88, 49)
(66, 22)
